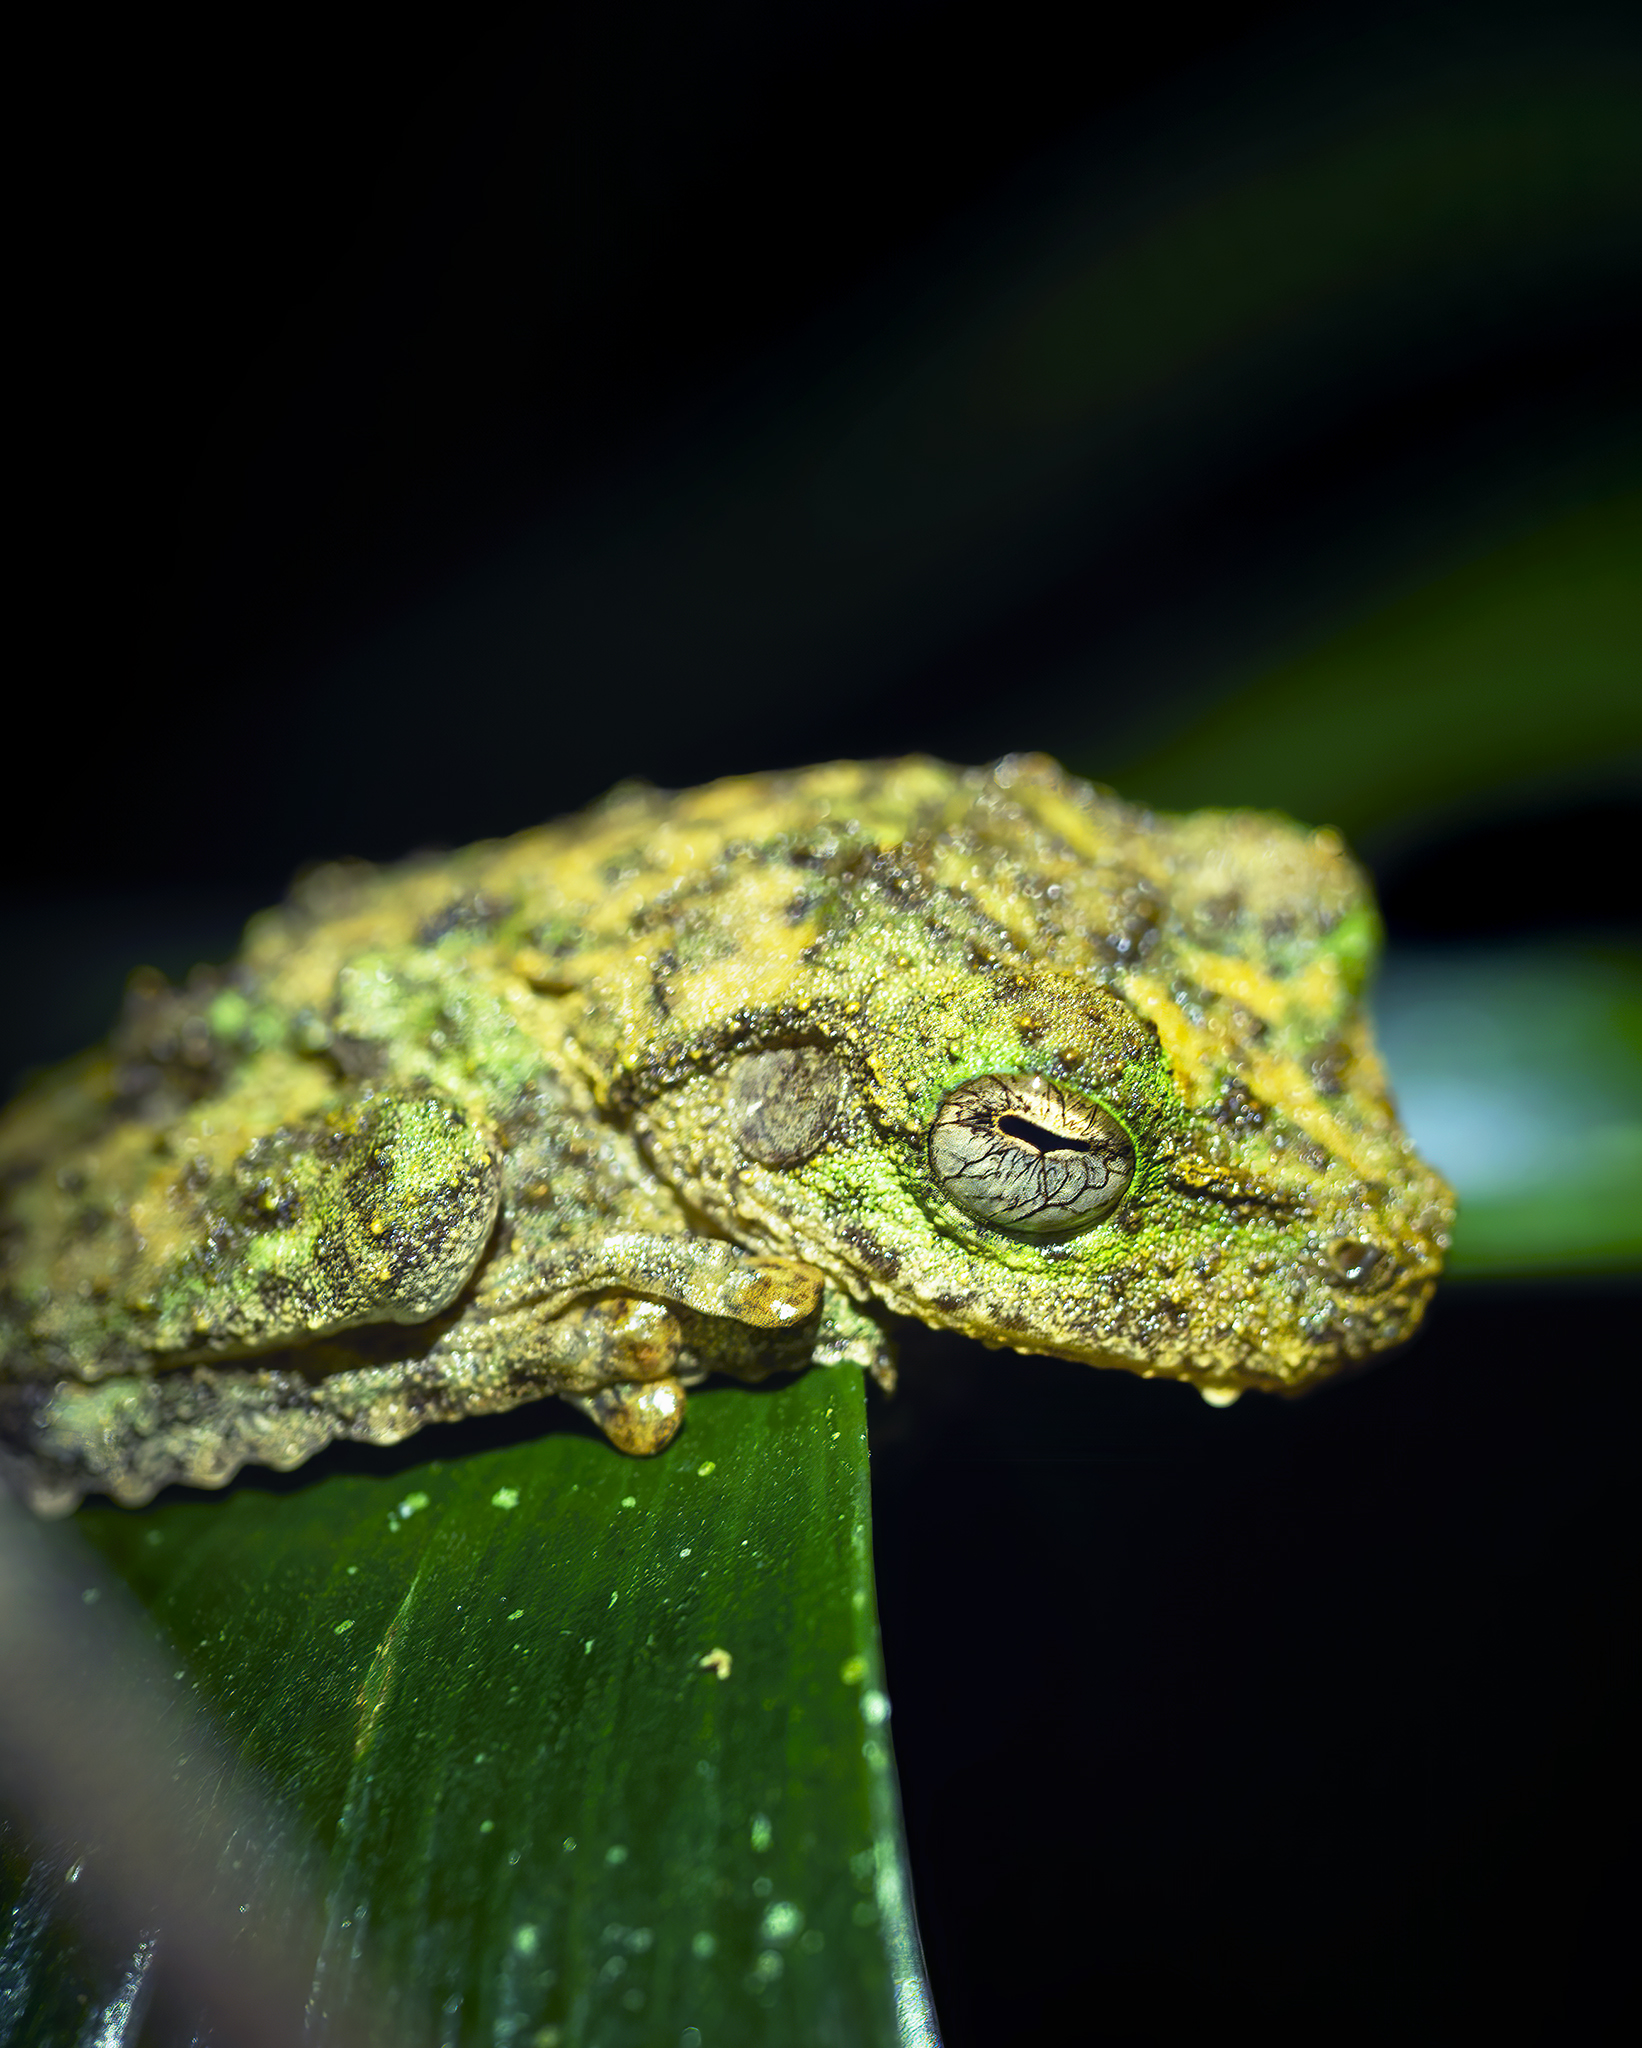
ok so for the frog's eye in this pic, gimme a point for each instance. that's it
(1015, 1150)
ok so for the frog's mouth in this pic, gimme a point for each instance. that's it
(1352, 1262)
(1236, 1186)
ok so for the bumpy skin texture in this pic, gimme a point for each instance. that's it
(650, 1093)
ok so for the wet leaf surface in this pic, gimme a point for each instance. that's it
(585, 1748)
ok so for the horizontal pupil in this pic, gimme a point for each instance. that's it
(1045, 1140)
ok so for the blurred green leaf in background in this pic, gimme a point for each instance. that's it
(1519, 1072)
(1518, 670)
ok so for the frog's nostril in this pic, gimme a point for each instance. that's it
(1360, 1266)
(1349, 1262)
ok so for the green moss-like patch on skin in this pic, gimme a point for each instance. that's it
(458, 1134)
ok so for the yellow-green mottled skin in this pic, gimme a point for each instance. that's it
(647, 1093)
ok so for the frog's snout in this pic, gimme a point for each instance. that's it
(1376, 1285)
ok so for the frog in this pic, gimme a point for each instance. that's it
(717, 1082)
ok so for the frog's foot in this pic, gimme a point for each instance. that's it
(639, 1417)
(620, 1356)
(772, 1294)
(739, 1314)
(618, 1338)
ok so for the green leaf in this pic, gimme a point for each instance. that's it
(1519, 1073)
(591, 1749)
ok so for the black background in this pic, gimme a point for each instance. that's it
(1300, 1718)
(328, 328)
(1298, 1722)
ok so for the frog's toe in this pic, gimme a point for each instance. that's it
(639, 1417)
(774, 1294)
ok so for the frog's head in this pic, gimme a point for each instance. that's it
(1034, 1177)
(1187, 1165)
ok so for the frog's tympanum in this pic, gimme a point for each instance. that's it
(711, 1083)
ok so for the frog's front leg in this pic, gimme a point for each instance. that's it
(642, 1415)
(703, 1274)
(629, 1347)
